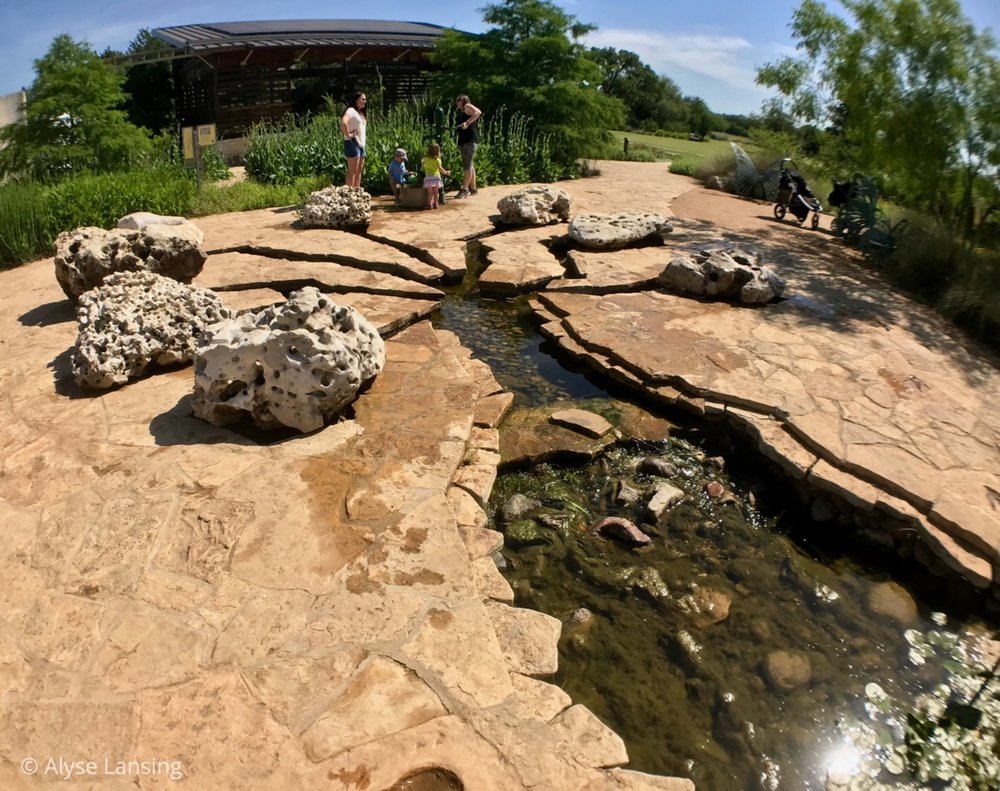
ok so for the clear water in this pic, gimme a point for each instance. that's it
(696, 700)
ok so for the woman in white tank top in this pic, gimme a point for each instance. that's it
(352, 126)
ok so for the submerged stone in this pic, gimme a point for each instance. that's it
(786, 670)
(891, 600)
(517, 506)
(524, 532)
(621, 530)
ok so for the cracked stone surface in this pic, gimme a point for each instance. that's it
(322, 609)
(270, 615)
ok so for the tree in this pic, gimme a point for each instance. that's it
(532, 62)
(71, 121)
(910, 91)
(701, 120)
(150, 87)
(647, 96)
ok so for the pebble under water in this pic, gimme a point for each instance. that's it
(745, 647)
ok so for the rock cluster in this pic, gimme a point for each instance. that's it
(138, 319)
(84, 257)
(536, 204)
(337, 207)
(610, 231)
(725, 274)
(297, 364)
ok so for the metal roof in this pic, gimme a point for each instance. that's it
(300, 33)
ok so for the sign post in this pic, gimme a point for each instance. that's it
(193, 138)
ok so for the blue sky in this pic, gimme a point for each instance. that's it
(709, 48)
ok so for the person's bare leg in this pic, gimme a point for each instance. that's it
(353, 171)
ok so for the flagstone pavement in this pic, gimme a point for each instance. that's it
(323, 611)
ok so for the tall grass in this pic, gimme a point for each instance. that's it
(33, 214)
(24, 229)
(960, 282)
(510, 151)
(249, 195)
(99, 199)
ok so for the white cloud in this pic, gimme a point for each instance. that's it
(729, 59)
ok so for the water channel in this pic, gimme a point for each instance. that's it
(806, 680)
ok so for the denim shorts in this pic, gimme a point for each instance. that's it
(468, 152)
(352, 149)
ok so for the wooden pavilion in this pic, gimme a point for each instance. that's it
(234, 74)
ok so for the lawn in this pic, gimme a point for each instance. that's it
(674, 148)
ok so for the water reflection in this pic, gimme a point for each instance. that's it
(503, 336)
(724, 651)
(805, 683)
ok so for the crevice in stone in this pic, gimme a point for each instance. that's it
(288, 286)
(385, 267)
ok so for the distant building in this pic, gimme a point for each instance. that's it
(234, 74)
(12, 107)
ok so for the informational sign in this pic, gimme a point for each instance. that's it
(187, 142)
(206, 135)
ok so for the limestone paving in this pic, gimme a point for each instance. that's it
(316, 611)
(319, 611)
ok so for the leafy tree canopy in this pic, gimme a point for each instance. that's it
(150, 87)
(648, 97)
(532, 62)
(911, 92)
(71, 123)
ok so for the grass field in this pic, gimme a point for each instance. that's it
(664, 148)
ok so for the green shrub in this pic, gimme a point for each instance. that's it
(637, 152)
(249, 195)
(32, 214)
(684, 167)
(723, 166)
(213, 165)
(961, 283)
(99, 199)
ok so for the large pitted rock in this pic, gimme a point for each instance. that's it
(297, 364)
(536, 204)
(609, 231)
(337, 207)
(726, 274)
(136, 319)
(84, 257)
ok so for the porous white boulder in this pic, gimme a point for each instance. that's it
(297, 364)
(85, 256)
(610, 231)
(337, 207)
(536, 204)
(137, 319)
(734, 274)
